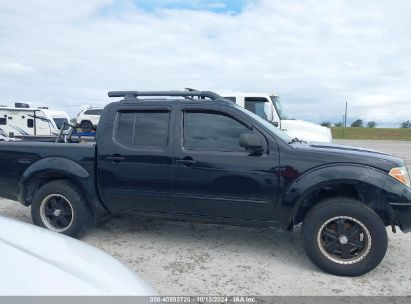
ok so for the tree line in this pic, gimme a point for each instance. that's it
(359, 123)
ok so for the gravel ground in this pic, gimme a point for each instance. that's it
(191, 259)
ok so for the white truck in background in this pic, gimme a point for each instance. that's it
(21, 120)
(269, 107)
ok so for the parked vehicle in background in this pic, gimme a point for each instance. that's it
(209, 159)
(37, 262)
(21, 120)
(269, 107)
(88, 119)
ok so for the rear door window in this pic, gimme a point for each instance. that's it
(143, 128)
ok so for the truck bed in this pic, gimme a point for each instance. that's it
(16, 158)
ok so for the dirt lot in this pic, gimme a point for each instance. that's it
(184, 258)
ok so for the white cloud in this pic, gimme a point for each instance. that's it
(14, 68)
(316, 54)
(214, 5)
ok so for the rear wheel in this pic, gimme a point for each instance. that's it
(86, 126)
(344, 237)
(58, 206)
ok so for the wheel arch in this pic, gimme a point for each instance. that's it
(52, 169)
(362, 183)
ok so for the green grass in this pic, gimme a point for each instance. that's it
(371, 133)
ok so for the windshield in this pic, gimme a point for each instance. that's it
(273, 129)
(282, 113)
(59, 122)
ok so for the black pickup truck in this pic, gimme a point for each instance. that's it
(203, 158)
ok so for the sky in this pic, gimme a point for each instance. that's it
(316, 55)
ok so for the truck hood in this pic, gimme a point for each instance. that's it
(35, 261)
(334, 153)
(345, 148)
(305, 130)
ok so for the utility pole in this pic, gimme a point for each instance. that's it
(345, 116)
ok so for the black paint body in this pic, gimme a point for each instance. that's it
(275, 188)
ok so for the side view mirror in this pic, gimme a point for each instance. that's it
(252, 143)
(275, 123)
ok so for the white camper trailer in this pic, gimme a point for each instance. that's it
(21, 120)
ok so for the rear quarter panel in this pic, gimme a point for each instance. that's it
(21, 161)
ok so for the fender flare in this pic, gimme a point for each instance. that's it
(319, 177)
(50, 166)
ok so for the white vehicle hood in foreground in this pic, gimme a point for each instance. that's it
(305, 130)
(35, 261)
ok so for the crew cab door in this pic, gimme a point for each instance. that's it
(135, 158)
(213, 175)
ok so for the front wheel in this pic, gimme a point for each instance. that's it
(344, 237)
(58, 206)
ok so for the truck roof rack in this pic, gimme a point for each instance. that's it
(135, 94)
(192, 90)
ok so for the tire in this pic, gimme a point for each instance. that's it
(86, 126)
(344, 237)
(59, 206)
